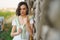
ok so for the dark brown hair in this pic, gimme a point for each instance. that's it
(18, 8)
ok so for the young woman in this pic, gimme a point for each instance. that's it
(22, 24)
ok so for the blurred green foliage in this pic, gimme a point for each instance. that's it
(5, 34)
(6, 14)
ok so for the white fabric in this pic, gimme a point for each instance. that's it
(18, 37)
(31, 21)
(14, 23)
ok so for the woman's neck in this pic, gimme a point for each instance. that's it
(23, 16)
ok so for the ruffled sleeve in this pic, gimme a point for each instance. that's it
(13, 22)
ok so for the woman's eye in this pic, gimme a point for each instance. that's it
(23, 8)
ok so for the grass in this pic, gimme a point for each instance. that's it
(5, 35)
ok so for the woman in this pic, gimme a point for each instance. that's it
(22, 24)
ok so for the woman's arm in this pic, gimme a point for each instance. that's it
(13, 33)
(29, 27)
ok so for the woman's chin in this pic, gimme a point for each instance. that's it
(22, 14)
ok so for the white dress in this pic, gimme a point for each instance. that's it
(19, 37)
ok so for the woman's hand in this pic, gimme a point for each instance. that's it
(19, 31)
(13, 33)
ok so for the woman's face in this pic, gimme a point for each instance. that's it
(23, 10)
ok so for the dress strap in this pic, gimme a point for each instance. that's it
(17, 21)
